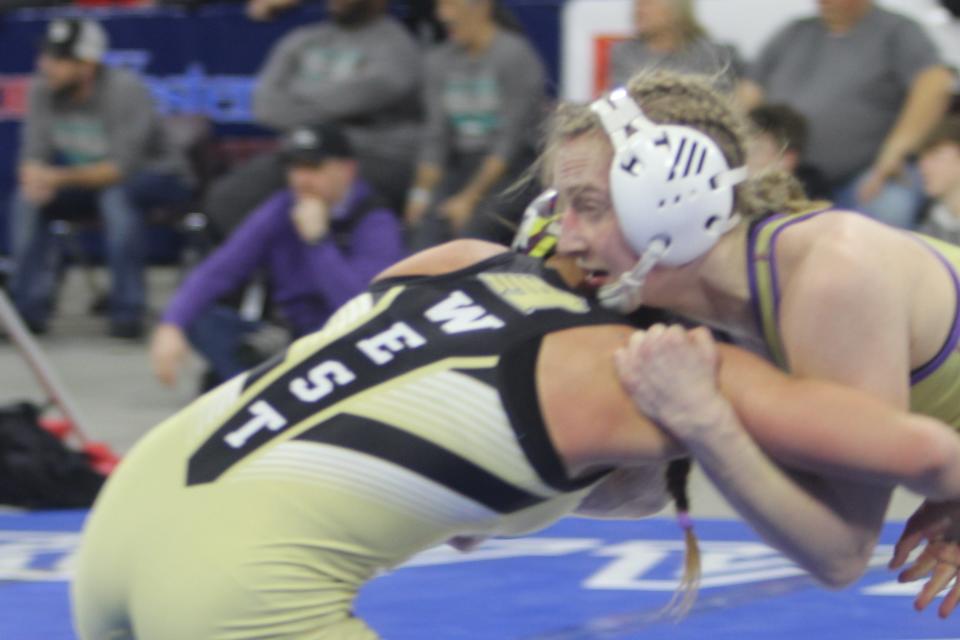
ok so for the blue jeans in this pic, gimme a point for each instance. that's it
(898, 203)
(218, 334)
(121, 207)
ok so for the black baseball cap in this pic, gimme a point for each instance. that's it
(313, 145)
(76, 39)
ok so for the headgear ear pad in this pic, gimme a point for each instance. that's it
(539, 228)
(670, 183)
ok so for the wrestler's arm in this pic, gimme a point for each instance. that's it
(671, 376)
(832, 430)
(878, 443)
(591, 420)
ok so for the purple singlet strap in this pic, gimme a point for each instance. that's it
(950, 344)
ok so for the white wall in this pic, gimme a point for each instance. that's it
(745, 23)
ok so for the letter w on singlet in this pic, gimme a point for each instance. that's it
(459, 314)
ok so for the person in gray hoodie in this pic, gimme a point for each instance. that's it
(92, 140)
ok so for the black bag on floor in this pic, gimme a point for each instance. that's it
(37, 469)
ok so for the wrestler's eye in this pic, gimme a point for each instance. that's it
(590, 207)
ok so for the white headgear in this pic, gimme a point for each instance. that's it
(671, 188)
(667, 182)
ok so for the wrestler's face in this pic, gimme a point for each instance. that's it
(940, 168)
(589, 229)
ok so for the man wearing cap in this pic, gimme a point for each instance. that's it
(91, 141)
(320, 241)
(360, 69)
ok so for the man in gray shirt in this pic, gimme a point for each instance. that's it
(360, 70)
(91, 141)
(871, 85)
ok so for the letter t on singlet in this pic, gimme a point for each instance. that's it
(264, 416)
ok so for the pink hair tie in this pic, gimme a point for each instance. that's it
(683, 519)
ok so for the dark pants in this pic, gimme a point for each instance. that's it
(217, 334)
(122, 209)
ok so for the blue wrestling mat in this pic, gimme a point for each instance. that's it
(579, 579)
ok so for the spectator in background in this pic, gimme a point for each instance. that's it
(360, 69)
(871, 85)
(92, 140)
(265, 10)
(485, 96)
(940, 168)
(320, 241)
(776, 141)
(667, 35)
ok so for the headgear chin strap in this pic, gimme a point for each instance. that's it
(626, 294)
(671, 188)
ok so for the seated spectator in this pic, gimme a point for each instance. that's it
(419, 15)
(92, 141)
(940, 168)
(360, 69)
(484, 95)
(667, 35)
(777, 142)
(320, 241)
(264, 10)
(871, 84)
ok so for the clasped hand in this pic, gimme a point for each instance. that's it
(670, 373)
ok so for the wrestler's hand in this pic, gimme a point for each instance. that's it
(939, 523)
(671, 375)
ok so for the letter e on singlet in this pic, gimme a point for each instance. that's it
(381, 347)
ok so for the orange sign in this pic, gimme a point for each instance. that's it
(602, 43)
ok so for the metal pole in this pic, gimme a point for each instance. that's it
(20, 335)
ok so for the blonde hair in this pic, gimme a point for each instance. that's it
(677, 476)
(693, 100)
